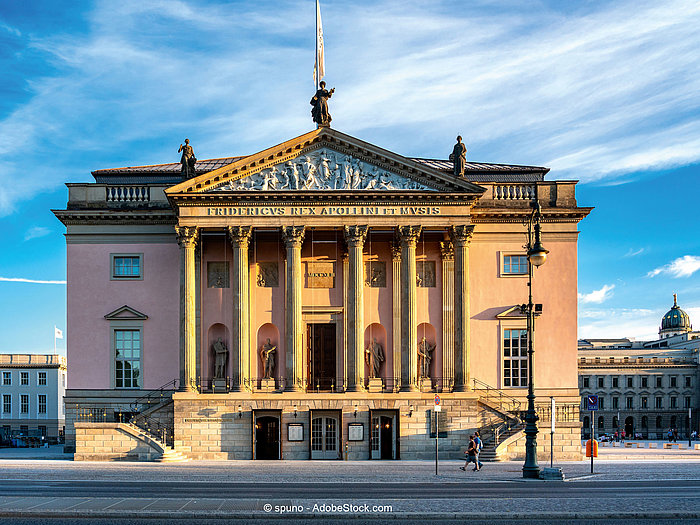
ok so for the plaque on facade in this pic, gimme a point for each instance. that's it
(268, 274)
(425, 271)
(218, 274)
(295, 431)
(320, 274)
(356, 432)
(375, 274)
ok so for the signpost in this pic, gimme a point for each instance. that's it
(551, 446)
(592, 402)
(438, 409)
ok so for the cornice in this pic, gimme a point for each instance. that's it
(73, 217)
(519, 215)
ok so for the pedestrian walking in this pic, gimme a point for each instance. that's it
(675, 435)
(471, 455)
(670, 435)
(478, 445)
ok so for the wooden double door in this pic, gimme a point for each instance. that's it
(321, 345)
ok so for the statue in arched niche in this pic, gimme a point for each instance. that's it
(220, 358)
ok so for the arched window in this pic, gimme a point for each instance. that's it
(645, 422)
(601, 423)
(659, 422)
(615, 422)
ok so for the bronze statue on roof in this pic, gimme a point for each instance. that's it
(187, 161)
(459, 158)
(319, 101)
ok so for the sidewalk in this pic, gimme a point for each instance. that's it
(53, 452)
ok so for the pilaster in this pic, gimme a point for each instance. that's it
(296, 380)
(187, 240)
(448, 315)
(240, 340)
(461, 235)
(396, 312)
(355, 238)
(408, 236)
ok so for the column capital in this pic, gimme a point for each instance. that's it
(355, 235)
(462, 234)
(396, 250)
(187, 236)
(447, 250)
(293, 235)
(409, 234)
(239, 235)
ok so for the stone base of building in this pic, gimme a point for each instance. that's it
(567, 445)
(112, 442)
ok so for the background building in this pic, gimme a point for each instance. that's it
(32, 387)
(644, 387)
(323, 248)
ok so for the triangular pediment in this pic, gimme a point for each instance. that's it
(125, 312)
(517, 312)
(324, 160)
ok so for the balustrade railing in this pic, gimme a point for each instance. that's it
(513, 192)
(128, 193)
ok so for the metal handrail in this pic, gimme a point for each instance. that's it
(512, 404)
(154, 427)
(154, 395)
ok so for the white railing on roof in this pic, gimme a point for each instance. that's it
(513, 191)
(128, 193)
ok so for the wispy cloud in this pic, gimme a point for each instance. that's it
(36, 232)
(597, 296)
(34, 281)
(633, 253)
(635, 323)
(682, 267)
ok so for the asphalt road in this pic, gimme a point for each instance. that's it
(372, 521)
(375, 491)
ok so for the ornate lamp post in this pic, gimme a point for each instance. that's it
(536, 256)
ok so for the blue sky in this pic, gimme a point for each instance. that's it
(603, 92)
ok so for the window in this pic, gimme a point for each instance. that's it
(42, 403)
(6, 404)
(42, 379)
(586, 382)
(616, 402)
(645, 382)
(514, 264)
(601, 403)
(616, 382)
(601, 423)
(24, 430)
(674, 381)
(127, 351)
(514, 357)
(6, 431)
(42, 430)
(645, 422)
(63, 380)
(7, 378)
(629, 402)
(687, 382)
(659, 402)
(630, 382)
(24, 404)
(686, 402)
(658, 382)
(674, 402)
(24, 378)
(644, 403)
(614, 422)
(601, 382)
(127, 266)
(659, 420)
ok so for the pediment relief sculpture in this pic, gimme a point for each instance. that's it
(323, 169)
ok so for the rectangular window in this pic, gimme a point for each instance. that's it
(127, 351)
(674, 381)
(644, 402)
(645, 382)
(686, 402)
(586, 382)
(6, 404)
(630, 382)
(24, 404)
(658, 382)
(24, 430)
(514, 264)
(674, 402)
(42, 403)
(6, 431)
(616, 402)
(42, 430)
(42, 379)
(7, 378)
(687, 382)
(127, 266)
(515, 358)
(601, 382)
(616, 382)
(658, 402)
(630, 402)
(24, 378)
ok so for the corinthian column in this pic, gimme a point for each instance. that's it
(355, 237)
(448, 314)
(396, 317)
(461, 235)
(293, 237)
(408, 236)
(240, 337)
(187, 239)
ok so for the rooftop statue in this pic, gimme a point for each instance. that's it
(187, 160)
(319, 101)
(459, 158)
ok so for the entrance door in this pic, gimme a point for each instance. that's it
(383, 437)
(321, 345)
(324, 437)
(629, 427)
(267, 438)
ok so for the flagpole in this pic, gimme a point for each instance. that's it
(54, 339)
(318, 65)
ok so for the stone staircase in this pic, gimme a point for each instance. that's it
(167, 453)
(500, 422)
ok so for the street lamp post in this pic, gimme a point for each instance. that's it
(536, 256)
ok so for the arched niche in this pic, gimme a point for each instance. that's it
(378, 332)
(215, 331)
(428, 331)
(265, 332)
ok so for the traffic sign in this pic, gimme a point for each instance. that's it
(437, 400)
(438, 408)
(592, 402)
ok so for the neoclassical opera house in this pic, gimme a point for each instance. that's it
(314, 300)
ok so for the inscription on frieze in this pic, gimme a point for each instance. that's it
(218, 274)
(268, 275)
(320, 274)
(425, 274)
(375, 274)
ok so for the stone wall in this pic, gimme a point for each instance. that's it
(567, 444)
(111, 442)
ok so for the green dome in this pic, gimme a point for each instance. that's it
(675, 318)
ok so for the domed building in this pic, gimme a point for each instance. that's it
(675, 322)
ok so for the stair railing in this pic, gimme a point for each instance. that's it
(154, 397)
(495, 396)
